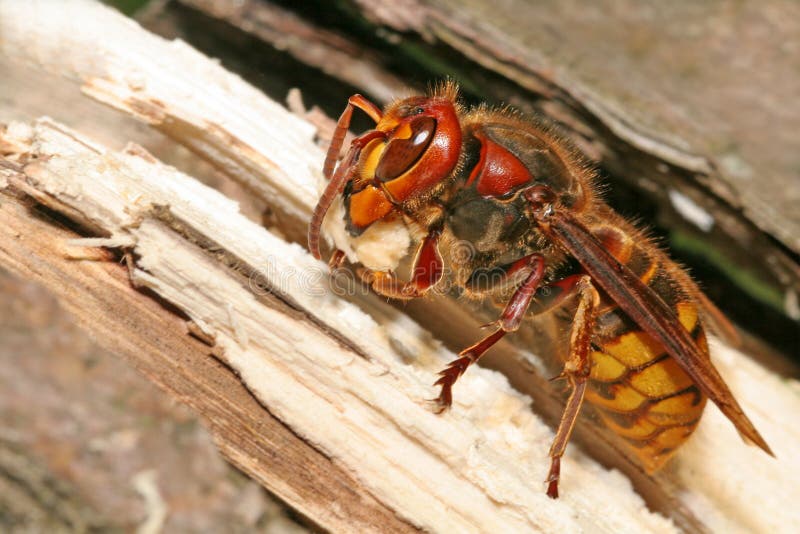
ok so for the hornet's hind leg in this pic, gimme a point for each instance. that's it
(576, 371)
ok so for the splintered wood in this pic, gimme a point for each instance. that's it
(344, 371)
(360, 396)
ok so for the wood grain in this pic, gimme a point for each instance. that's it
(348, 374)
(152, 336)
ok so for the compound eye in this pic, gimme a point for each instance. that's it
(401, 154)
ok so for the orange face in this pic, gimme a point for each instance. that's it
(419, 151)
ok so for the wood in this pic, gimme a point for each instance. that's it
(263, 328)
(153, 338)
(351, 379)
(330, 52)
(668, 118)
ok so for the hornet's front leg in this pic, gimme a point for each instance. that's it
(338, 179)
(426, 272)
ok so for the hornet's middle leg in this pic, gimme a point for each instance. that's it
(509, 321)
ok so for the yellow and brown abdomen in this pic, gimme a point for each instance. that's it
(639, 391)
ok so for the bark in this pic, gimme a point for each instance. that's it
(662, 97)
(345, 378)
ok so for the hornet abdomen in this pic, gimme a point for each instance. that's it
(640, 392)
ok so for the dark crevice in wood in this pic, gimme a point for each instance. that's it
(272, 71)
(621, 164)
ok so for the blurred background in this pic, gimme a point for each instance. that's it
(689, 109)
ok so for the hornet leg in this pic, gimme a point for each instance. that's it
(426, 272)
(576, 371)
(337, 180)
(509, 321)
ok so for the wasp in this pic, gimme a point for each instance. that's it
(434, 175)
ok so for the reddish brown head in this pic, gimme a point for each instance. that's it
(405, 160)
(419, 150)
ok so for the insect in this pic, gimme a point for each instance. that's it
(433, 176)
